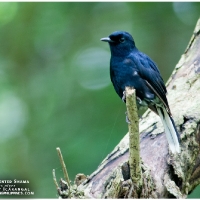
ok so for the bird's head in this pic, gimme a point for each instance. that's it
(120, 42)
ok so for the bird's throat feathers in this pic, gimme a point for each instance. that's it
(119, 51)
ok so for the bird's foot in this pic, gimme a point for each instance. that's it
(127, 119)
(124, 97)
(139, 100)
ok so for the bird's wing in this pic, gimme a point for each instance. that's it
(150, 73)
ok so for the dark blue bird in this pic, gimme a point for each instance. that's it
(131, 67)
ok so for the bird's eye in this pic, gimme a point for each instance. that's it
(122, 40)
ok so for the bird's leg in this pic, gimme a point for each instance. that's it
(139, 100)
(124, 100)
(127, 119)
(124, 96)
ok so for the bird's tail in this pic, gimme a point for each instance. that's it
(170, 130)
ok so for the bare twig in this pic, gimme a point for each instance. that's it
(54, 179)
(134, 139)
(63, 167)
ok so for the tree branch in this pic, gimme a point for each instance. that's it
(163, 175)
(134, 138)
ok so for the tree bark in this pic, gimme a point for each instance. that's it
(163, 175)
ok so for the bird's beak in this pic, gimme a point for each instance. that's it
(106, 39)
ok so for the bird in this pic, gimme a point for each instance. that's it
(131, 67)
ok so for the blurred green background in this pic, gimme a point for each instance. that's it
(55, 89)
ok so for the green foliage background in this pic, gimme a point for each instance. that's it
(55, 89)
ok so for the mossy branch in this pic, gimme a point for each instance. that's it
(134, 136)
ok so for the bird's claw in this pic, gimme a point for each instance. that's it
(127, 119)
(124, 96)
(139, 100)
